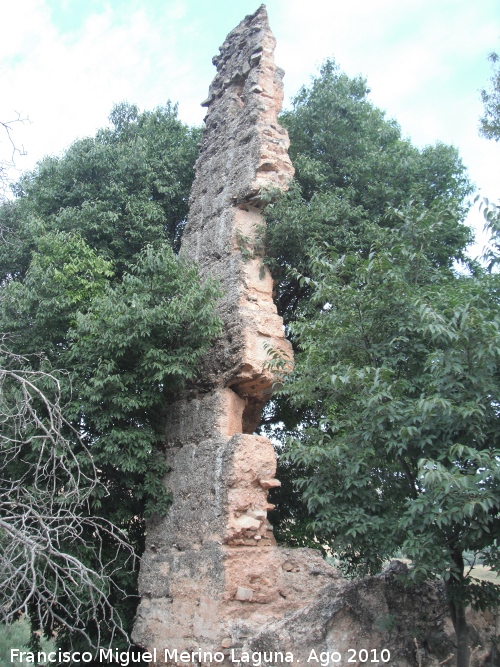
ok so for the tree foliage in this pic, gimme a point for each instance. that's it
(390, 418)
(91, 284)
(353, 166)
(489, 125)
(399, 366)
(120, 190)
(389, 422)
(399, 369)
(47, 528)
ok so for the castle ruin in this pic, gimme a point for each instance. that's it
(212, 578)
(212, 573)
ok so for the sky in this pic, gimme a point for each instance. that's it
(65, 63)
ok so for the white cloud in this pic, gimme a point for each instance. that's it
(425, 61)
(67, 83)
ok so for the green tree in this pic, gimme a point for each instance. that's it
(399, 370)
(352, 168)
(48, 479)
(353, 165)
(91, 284)
(489, 123)
(389, 422)
(126, 187)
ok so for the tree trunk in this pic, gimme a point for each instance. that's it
(454, 592)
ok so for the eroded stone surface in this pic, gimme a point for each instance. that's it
(212, 578)
(212, 563)
(243, 153)
(376, 620)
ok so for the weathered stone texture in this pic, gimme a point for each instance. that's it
(243, 154)
(212, 562)
(212, 577)
(411, 624)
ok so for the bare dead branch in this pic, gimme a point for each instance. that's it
(8, 162)
(47, 483)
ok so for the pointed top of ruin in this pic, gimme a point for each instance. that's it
(248, 34)
(241, 126)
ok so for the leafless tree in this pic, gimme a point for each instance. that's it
(46, 489)
(8, 157)
(7, 164)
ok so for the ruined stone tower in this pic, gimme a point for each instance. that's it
(212, 579)
(211, 573)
